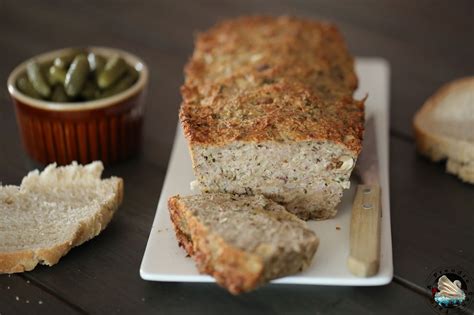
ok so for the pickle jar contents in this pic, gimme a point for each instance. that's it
(77, 76)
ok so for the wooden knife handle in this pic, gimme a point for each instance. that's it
(364, 256)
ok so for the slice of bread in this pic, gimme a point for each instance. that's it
(242, 241)
(444, 128)
(53, 211)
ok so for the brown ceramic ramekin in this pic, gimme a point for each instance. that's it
(107, 129)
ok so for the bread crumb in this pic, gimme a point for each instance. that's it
(338, 228)
(8, 287)
(40, 302)
(17, 298)
(28, 281)
(27, 301)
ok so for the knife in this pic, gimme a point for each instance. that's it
(364, 249)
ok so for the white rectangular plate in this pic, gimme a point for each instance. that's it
(165, 261)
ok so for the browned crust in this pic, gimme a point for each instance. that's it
(256, 79)
(184, 240)
(234, 269)
(20, 261)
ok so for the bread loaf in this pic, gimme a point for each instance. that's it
(268, 109)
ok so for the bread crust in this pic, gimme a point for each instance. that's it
(256, 79)
(26, 260)
(458, 153)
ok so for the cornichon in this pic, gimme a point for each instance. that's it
(24, 85)
(96, 62)
(114, 69)
(124, 83)
(59, 95)
(56, 75)
(76, 76)
(35, 75)
(90, 91)
(61, 62)
(65, 60)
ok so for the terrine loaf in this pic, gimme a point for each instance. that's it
(268, 109)
(242, 241)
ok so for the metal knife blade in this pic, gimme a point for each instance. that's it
(368, 162)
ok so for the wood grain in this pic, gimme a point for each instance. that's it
(18, 295)
(364, 248)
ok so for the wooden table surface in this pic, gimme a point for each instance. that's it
(427, 44)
